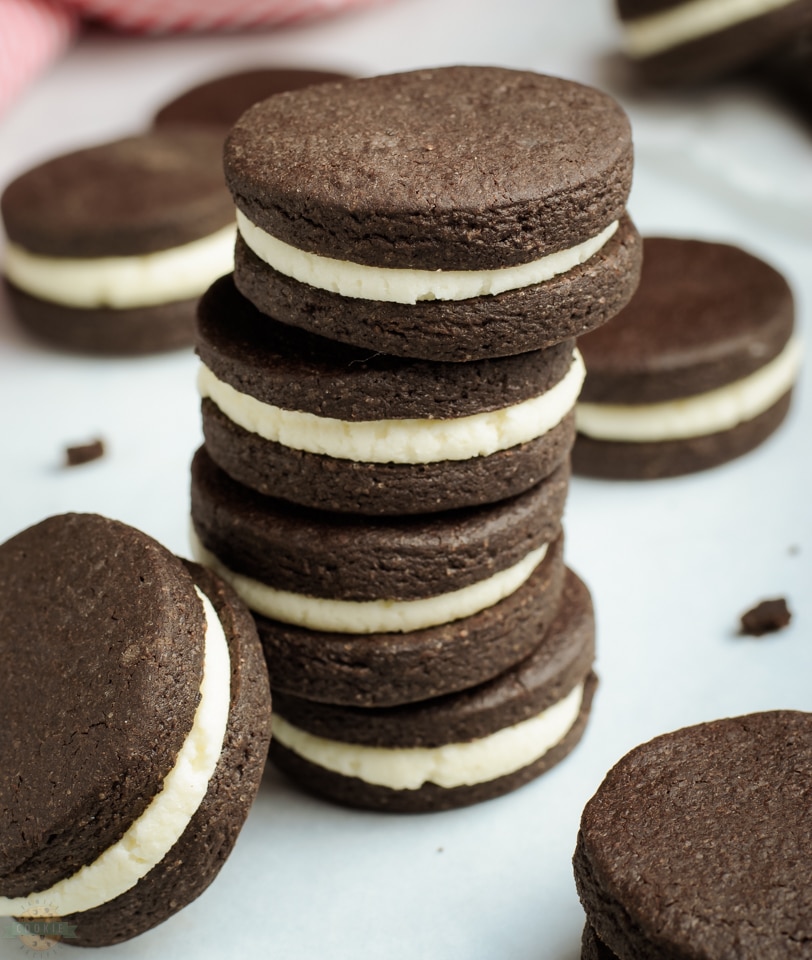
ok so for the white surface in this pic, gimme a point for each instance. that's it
(671, 564)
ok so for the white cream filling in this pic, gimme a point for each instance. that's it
(371, 616)
(399, 441)
(400, 285)
(155, 832)
(144, 280)
(657, 32)
(696, 416)
(452, 765)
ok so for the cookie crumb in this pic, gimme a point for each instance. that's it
(766, 617)
(84, 453)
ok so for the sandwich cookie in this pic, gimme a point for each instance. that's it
(696, 370)
(111, 246)
(368, 611)
(694, 40)
(220, 101)
(330, 426)
(698, 843)
(447, 214)
(453, 750)
(136, 718)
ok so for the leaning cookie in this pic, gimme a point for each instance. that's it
(448, 214)
(696, 370)
(110, 247)
(454, 750)
(327, 425)
(378, 611)
(677, 41)
(698, 843)
(136, 716)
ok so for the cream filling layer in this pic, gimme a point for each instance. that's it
(449, 766)
(696, 416)
(160, 826)
(401, 285)
(371, 616)
(122, 283)
(657, 32)
(399, 441)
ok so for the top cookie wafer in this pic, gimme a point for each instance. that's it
(449, 214)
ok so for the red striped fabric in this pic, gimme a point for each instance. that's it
(32, 34)
(35, 32)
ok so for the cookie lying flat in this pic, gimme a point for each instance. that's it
(110, 247)
(692, 40)
(220, 101)
(330, 426)
(139, 752)
(697, 844)
(696, 370)
(455, 750)
(447, 214)
(338, 584)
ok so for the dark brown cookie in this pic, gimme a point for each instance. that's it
(696, 49)
(592, 948)
(138, 195)
(706, 316)
(387, 669)
(493, 168)
(287, 368)
(516, 321)
(551, 677)
(697, 844)
(107, 612)
(87, 231)
(357, 558)
(220, 101)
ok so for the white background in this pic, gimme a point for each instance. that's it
(671, 564)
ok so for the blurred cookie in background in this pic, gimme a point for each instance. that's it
(219, 102)
(110, 247)
(687, 41)
(695, 371)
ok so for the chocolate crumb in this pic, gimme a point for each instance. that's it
(84, 453)
(766, 617)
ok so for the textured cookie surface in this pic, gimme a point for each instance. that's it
(101, 641)
(220, 101)
(358, 558)
(133, 196)
(697, 844)
(455, 168)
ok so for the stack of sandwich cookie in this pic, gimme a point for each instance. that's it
(111, 246)
(136, 718)
(698, 369)
(388, 385)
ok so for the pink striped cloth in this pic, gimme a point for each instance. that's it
(33, 33)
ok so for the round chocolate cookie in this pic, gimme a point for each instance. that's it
(119, 690)
(110, 246)
(453, 750)
(676, 41)
(495, 227)
(387, 669)
(315, 555)
(593, 948)
(296, 416)
(696, 370)
(697, 844)
(220, 101)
